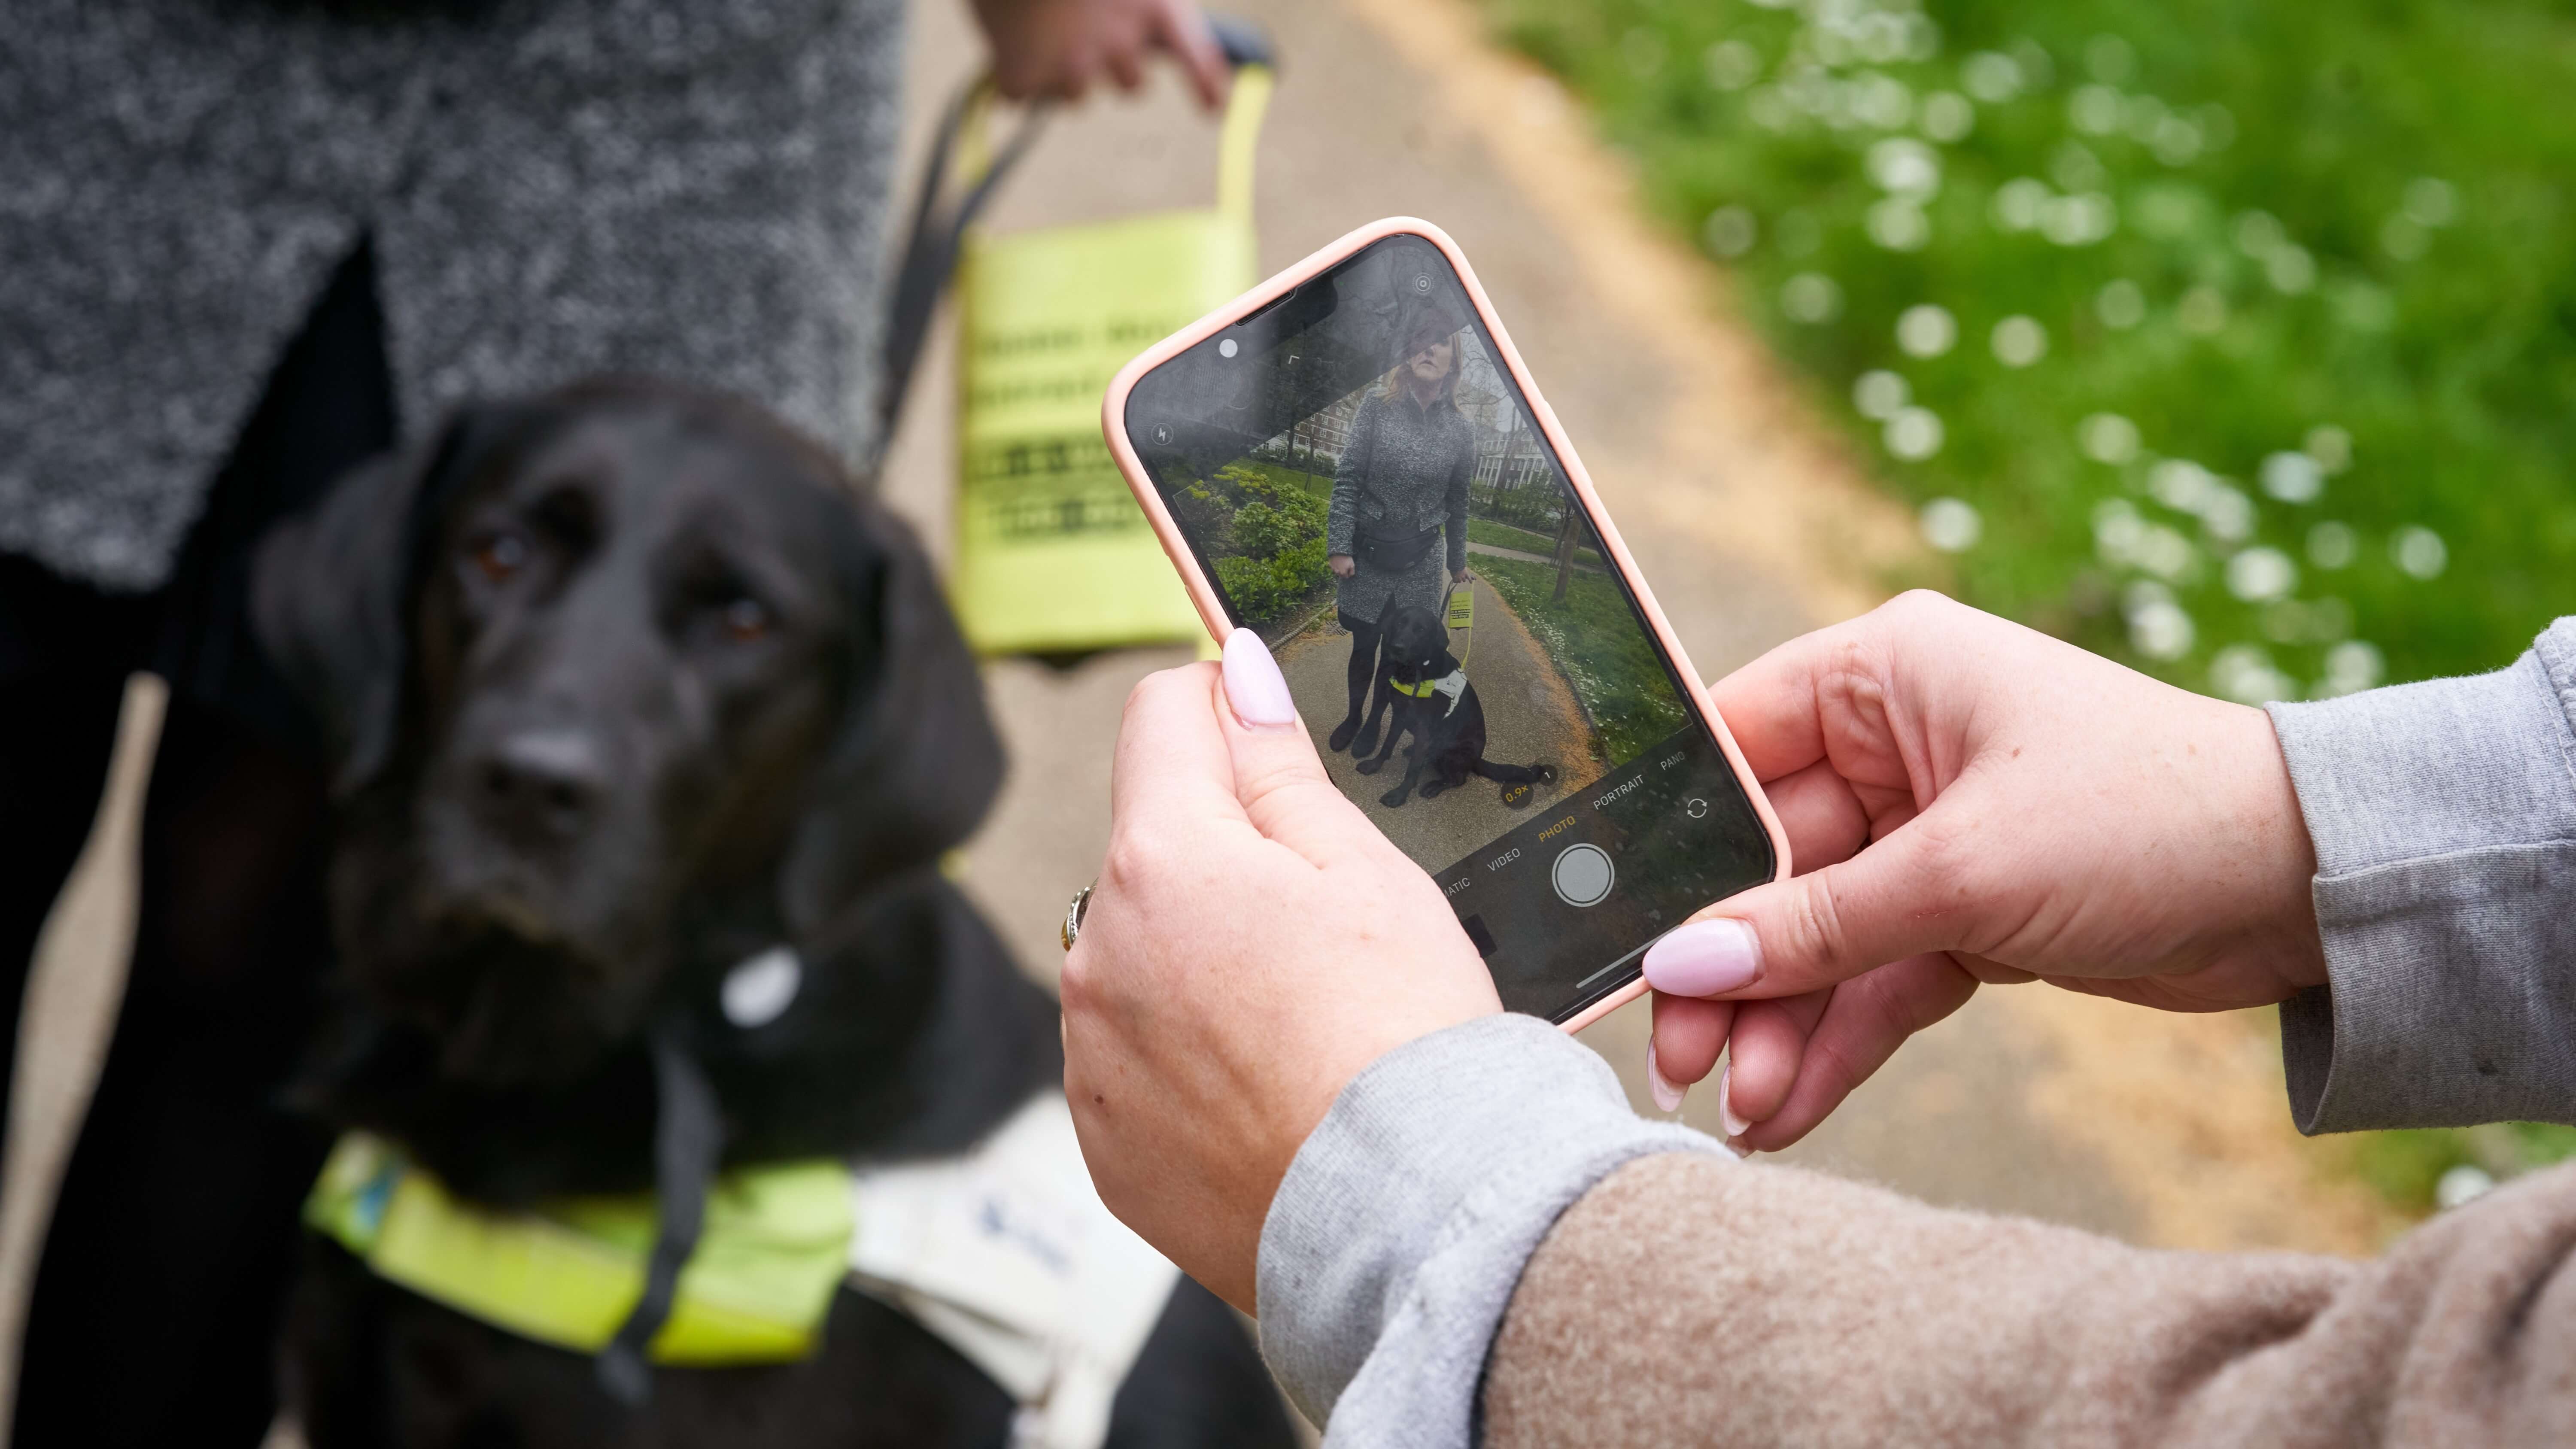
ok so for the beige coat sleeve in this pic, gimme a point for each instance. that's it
(1685, 1301)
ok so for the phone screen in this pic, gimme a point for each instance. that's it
(1366, 486)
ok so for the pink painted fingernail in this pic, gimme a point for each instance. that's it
(1253, 683)
(1735, 1126)
(1668, 1098)
(1704, 958)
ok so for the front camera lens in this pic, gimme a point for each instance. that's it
(1422, 283)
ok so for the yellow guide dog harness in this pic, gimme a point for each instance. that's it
(1460, 607)
(1006, 1253)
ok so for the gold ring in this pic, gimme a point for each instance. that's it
(1073, 910)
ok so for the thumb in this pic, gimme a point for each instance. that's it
(1278, 777)
(1888, 902)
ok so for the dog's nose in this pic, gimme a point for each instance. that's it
(546, 779)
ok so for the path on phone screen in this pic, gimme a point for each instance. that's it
(1530, 715)
(1751, 524)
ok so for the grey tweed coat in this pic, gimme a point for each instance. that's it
(1404, 471)
(688, 187)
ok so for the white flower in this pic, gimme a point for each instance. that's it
(1881, 101)
(2161, 631)
(2293, 477)
(2257, 232)
(2176, 141)
(2332, 545)
(1914, 434)
(2419, 551)
(1810, 297)
(1903, 166)
(2081, 220)
(2431, 201)
(2461, 1185)
(2110, 59)
(1946, 116)
(1951, 525)
(2244, 673)
(1991, 77)
(2019, 341)
(2330, 446)
(2107, 438)
(2117, 532)
(2353, 666)
(2018, 203)
(2094, 110)
(2226, 512)
(2290, 269)
(1732, 65)
(1898, 224)
(2120, 304)
(1879, 393)
(1730, 231)
(1926, 329)
(2180, 484)
(2260, 575)
(2203, 310)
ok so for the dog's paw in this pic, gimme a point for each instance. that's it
(1393, 798)
(1371, 767)
(1365, 743)
(1431, 788)
(1341, 737)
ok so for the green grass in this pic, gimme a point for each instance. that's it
(2331, 229)
(2407, 1166)
(1596, 641)
(2367, 244)
(1503, 535)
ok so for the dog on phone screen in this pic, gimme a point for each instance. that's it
(625, 685)
(1426, 692)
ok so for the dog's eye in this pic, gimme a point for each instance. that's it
(746, 619)
(499, 555)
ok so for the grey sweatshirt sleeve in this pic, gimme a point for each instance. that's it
(1398, 1234)
(2444, 817)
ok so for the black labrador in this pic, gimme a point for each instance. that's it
(625, 684)
(1425, 688)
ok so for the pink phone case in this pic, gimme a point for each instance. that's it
(1113, 414)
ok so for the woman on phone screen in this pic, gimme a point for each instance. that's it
(1399, 496)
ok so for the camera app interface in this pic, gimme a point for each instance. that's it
(1361, 478)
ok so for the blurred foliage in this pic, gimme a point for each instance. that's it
(2304, 268)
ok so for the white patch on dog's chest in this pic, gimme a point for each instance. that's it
(1009, 1256)
(1454, 685)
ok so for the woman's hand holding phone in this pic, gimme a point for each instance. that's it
(1252, 943)
(1970, 801)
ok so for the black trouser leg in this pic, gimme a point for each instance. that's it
(157, 1305)
(164, 1278)
(1362, 670)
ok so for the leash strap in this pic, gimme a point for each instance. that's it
(688, 1142)
(940, 219)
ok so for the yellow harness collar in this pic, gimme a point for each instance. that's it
(775, 1247)
(1417, 691)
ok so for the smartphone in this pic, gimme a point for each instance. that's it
(1352, 460)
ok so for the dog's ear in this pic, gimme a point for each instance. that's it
(917, 762)
(332, 587)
